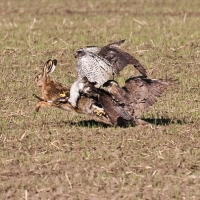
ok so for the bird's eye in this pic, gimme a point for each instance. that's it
(79, 51)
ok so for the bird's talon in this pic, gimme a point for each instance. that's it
(99, 112)
(62, 95)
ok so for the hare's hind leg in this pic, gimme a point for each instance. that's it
(42, 104)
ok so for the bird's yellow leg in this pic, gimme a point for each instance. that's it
(62, 95)
(99, 111)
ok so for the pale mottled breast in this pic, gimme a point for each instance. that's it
(95, 68)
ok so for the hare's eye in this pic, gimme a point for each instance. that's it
(38, 77)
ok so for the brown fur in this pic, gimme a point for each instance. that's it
(51, 92)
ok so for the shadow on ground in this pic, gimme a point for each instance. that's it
(90, 123)
(164, 121)
(157, 122)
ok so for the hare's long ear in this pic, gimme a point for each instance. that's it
(50, 66)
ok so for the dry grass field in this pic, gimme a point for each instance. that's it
(54, 154)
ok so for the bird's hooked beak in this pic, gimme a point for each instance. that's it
(76, 55)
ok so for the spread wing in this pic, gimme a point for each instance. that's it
(119, 58)
(143, 93)
(96, 49)
(138, 93)
(95, 68)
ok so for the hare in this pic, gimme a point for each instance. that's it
(54, 94)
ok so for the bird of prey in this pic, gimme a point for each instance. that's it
(127, 103)
(99, 64)
(113, 109)
(98, 71)
(138, 93)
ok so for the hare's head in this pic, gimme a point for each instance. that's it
(49, 67)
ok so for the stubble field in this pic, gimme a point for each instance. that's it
(58, 155)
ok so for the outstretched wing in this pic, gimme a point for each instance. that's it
(138, 93)
(96, 49)
(143, 93)
(95, 68)
(119, 58)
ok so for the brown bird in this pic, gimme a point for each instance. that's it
(114, 110)
(126, 104)
(100, 64)
(138, 94)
